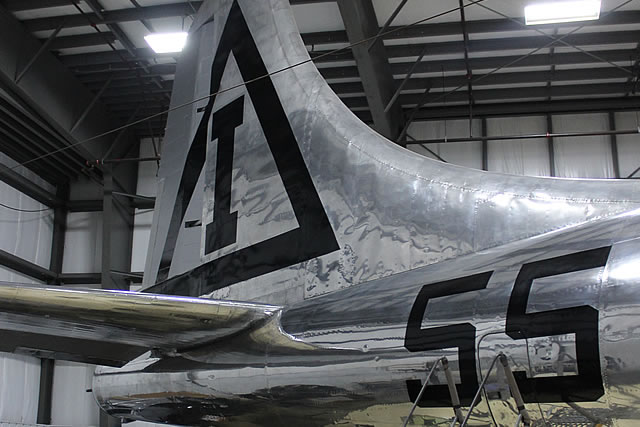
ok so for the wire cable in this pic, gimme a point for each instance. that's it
(244, 83)
(24, 210)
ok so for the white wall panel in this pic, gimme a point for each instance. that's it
(27, 235)
(72, 405)
(520, 157)
(19, 385)
(628, 145)
(467, 154)
(83, 243)
(585, 156)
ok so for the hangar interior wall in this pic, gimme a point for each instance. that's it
(574, 157)
(29, 235)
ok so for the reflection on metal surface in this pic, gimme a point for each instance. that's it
(358, 361)
(126, 323)
(558, 294)
(379, 262)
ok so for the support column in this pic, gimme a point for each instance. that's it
(550, 147)
(485, 146)
(614, 145)
(361, 23)
(45, 393)
(47, 366)
(117, 224)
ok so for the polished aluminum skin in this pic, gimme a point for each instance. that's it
(401, 221)
(112, 327)
(398, 218)
(357, 361)
(349, 334)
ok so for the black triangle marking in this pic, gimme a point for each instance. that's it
(313, 238)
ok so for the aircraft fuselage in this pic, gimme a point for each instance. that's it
(562, 307)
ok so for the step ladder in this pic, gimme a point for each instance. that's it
(523, 416)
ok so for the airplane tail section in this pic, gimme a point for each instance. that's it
(273, 191)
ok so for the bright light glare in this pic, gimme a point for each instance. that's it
(563, 11)
(166, 42)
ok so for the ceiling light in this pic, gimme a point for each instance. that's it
(562, 11)
(166, 42)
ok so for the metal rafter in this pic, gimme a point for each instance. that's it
(488, 95)
(48, 88)
(361, 23)
(113, 16)
(98, 67)
(528, 108)
(22, 5)
(473, 27)
(393, 51)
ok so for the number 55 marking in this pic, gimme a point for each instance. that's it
(581, 321)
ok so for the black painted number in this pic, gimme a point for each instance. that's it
(462, 336)
(581, 321)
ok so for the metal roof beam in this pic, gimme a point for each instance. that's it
(120, 72)
(488, 95)
(513, 78)
(82, 40)
(530, 108)
(108, 57)
(137, 91)
(495, 44)
(132, 87)
(22, 5)
(113, 16)
(99, 66)
(12, 117)
(49, 89)
(25, 139)
(93, 60)
(455, 28)
(373, 66)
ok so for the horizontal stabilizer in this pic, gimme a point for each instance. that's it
(113, 327)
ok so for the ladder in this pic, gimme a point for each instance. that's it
(523, 415)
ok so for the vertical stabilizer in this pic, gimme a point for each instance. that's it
(272, 190)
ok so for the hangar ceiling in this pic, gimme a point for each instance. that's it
(444, 59)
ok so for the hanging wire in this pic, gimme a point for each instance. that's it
(24, 210)
(246, 82)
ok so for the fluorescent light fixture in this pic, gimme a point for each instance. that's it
(562, 11)
(166, 42)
